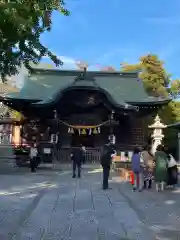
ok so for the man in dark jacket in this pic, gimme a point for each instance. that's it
(106, 160)
(77, 158)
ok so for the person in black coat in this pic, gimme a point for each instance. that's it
(77, 159)
(106, 160)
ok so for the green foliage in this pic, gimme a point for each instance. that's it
(16, 115)
(21, 24)
(175, 89)
(157, 83)
(153, 74)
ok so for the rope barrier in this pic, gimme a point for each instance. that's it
(85, 126)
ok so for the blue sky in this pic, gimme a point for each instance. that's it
(110, 32)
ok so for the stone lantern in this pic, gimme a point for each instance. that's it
(157, 135)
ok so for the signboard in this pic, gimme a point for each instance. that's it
(47, 150)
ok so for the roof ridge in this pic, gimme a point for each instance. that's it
(133, 74)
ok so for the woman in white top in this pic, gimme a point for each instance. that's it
(172, 170)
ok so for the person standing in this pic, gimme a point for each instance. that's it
(148, 161)
(77, 159)
(161, 163)
(137, 169)
(33, 158)
(106, 160)
(172, 170)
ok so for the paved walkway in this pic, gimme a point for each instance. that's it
(53, 206)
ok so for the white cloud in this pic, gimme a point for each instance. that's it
(68, 62)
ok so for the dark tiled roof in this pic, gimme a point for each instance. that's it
(45, 85)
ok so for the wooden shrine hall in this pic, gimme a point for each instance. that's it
(71, 107)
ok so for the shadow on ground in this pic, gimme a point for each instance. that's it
(59, 207)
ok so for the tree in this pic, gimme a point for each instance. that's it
(153, 74)
(21, 24)
(174, 89)
(15, 115)
(157, 83)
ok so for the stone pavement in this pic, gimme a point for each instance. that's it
(53, 206)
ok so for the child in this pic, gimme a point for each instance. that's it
(137, 169)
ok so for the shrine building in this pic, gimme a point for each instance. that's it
(71, 107)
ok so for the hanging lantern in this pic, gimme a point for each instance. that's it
(69, 130)
(83, 132)
(90, 131)
(99, 130)
(79, 131)
(95, 131)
